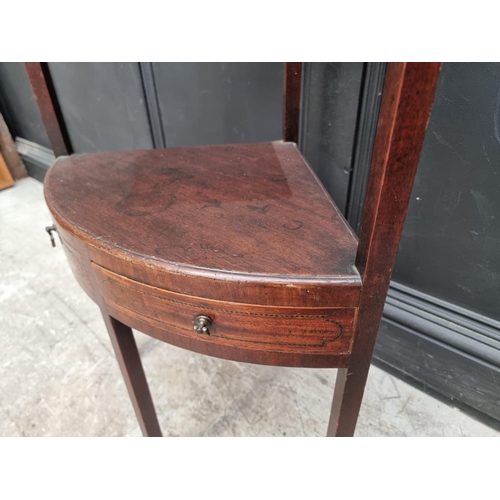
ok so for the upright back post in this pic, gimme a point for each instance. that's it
(291, 104)
(406, 104)
(46, 99)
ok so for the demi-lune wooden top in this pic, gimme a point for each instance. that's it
(243, 209)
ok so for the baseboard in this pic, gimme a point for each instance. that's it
(446, 349)
(38, 159)
(452, 402)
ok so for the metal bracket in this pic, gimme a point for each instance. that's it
(49, 230)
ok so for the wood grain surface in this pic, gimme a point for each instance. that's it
(292, 93)
(287, 329)
(46, 99)
(242, 233)
(246, 236)
(406, 105)
(247, 222)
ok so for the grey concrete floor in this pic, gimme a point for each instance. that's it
(58, 375)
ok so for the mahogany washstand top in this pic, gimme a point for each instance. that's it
(237, 214)
(237, 251)
(219, 231)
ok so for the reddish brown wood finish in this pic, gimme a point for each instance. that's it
(291, 118)
(223, 222)
(408, 95)
(121, 336)
(41, 83)
(218, 230)
(246, 235)
(236, 327)
(264, 290)
(122, 339)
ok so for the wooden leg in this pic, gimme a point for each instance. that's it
(347, 397)
(404, 114)
(128, 358)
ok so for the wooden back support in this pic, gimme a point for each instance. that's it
(291, 105)
(406, 104)
(46, 99)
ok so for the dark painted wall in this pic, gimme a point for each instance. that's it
(103, 105)
(451, 240)
(217, 103)
(18, 105)
(117, 106)
(330, 108)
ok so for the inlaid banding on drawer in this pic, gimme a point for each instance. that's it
(290, 329)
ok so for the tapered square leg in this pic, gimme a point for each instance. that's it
(347, 398)
(130, 364)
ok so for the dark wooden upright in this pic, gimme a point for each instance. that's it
(237, 251)
(48, 104)
(291, 106)
(406, 104)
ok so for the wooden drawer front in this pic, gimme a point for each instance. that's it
(285, 329)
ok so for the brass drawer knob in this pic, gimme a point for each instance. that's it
(202, 324)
